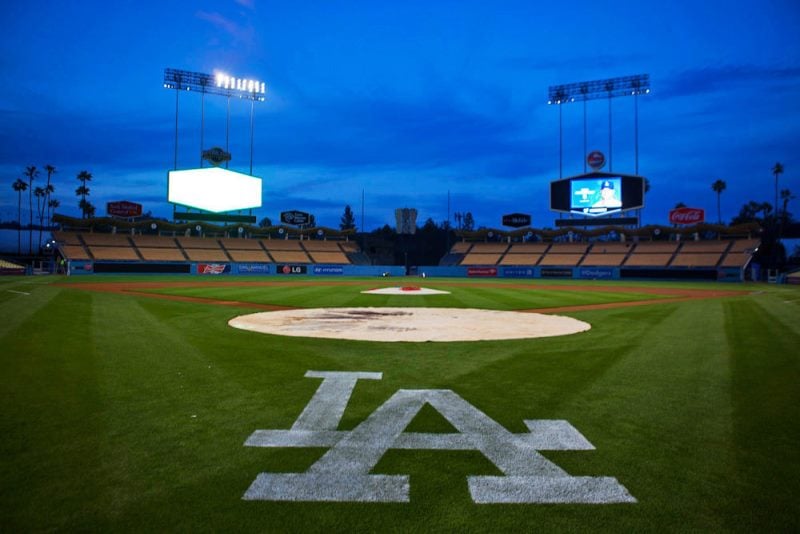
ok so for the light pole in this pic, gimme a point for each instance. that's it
(219, 84)
(595, 89)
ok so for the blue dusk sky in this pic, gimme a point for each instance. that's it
(404, 101)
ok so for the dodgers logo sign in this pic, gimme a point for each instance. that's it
(342, 474)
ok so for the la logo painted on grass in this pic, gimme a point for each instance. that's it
(343, 473)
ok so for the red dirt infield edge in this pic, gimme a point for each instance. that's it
(142, 289)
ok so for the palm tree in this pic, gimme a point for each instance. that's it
(786, 196)
(32, 173)
(52, 204)
(49, 188)
(718, 187)
(83, 191)
(19, 186)
(40, 195)
(777, 170)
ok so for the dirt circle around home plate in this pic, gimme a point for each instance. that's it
(409, 324)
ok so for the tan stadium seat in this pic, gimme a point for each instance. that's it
(289, 256)
(477, 258)
(161, 254)
(114, 253)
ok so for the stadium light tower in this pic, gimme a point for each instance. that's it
(218, 84)
(610, 88)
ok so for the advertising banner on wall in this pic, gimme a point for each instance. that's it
(687, 216)
(291, 269)
(213, 268)
(596, 273)
(481, 271)
(555, 272)
(328, 269)
(518, 272)
(253, 268)
(123, 208)
(517, 220)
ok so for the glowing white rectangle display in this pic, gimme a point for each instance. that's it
(214, 189)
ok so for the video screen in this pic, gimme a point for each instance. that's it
(214, 189)
(597, 194)
(594, 196)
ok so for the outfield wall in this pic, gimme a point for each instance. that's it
(96, 267)
(727, 274)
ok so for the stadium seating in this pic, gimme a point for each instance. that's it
(289, 256)
(744, 245)
(699, 259)
(735, 259)
(328, 257)
(206, 254)
(461, 247)
(67, 238)
(648, 259)
(286, 251)
(349, 247)
(281, 244)
(106, 240)
(656, 247)
(607, 254)
(74, 252)
(232, 243)
(325, 252)
(250, 256)
(8, 265)
(568, 248)
(477, 258)
(602, 259)
(113, 253)
(529, 248)
(552, 259)
(154, 241)
(245, 250)
(161, 254)
(652, 254)
(489, 248)
(520, 259)
(199, 243)
(704, 246)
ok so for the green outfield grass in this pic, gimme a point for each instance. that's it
(124, 412)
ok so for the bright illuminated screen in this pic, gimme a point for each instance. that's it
(214, 189)
(596, 196)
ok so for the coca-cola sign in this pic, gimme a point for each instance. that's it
(687, 216)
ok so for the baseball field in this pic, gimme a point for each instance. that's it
(133, 404)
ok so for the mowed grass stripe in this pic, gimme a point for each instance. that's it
(50, 430)
(766, 400)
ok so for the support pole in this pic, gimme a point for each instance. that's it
(610, 137)
(636, 132)
(252, 129)
(560, 145)
(177, 94)
(227, 129)
(585, 150)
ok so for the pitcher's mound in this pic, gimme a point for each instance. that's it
(405, 290)
(408, 324)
